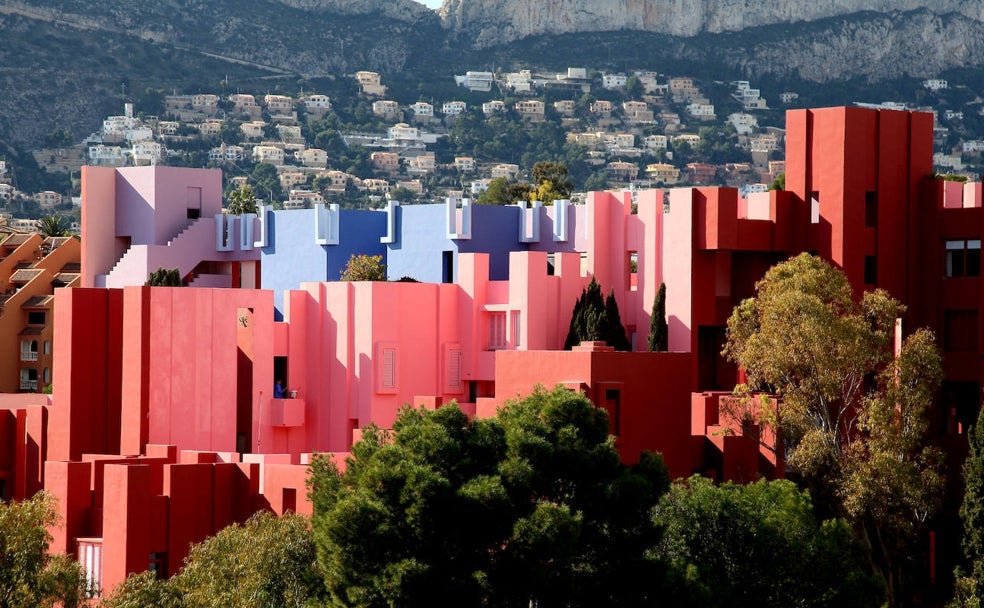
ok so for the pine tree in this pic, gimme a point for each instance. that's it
(658, 333)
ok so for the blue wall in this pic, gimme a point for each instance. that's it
(422, 240)
(292, 257)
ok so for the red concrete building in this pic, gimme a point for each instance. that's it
(163, 429)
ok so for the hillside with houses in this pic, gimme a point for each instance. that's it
(363, 143)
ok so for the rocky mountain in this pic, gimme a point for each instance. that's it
(65, 64)
(495, 22)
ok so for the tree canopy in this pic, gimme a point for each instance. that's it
(267, 562)
(242, 200)
(761, 545)
(53, 225)
(30, 577)
(164, 277)
(851, 416)
(532, 507)
(364, 268)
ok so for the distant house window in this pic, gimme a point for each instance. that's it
(47, 347)
(35, 318)
(497, 331)
(963, 258)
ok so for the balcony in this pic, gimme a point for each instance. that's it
(29, 355)
(28, 385)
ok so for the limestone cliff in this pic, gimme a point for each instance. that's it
(493, 22)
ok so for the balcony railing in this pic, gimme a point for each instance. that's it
(29, 355)
(28, 385)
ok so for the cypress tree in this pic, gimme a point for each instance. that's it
(614, 330)
(972, 509)
(658, 334)
(595, 319)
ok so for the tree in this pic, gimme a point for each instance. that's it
(851, 417)
(658, 333)
(496, 194)
(551, 181)
(595, 319)
(30, 577)
(165, 278)
(53, 226)
(760, 545)
(633, 87)
(532, 507)
(779, 183)
(972, 509)
(364, 268)
(267, 562)
(402, 194)
(242, 200)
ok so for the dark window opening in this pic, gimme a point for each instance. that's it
(550, 264)
(35, 318)
(448, 267)
(870, 270)
(290, 499)
(871, 209)
(613, 403)
(194, 214)
(157, 563)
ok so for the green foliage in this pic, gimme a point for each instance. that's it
(972, 509)
(403, 195)
(364, 268)
(530, 507)
(595, 318)
(242, 200)
(851, 416)
(165, 278)
(29, 576)
(496, 194)
(779, 183)
(551, 181)
(760, 545)
(53, 226)
(658, 330)
(267, 562)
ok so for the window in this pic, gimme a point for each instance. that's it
(497, 331)
(47, 347)
(35, 318)
(871, 209)
(870, 270)
(452, 371)
(963, 258)
(516, 341)
(389, 368)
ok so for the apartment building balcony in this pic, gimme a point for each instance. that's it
(29, 355)
(28, 385)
